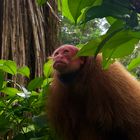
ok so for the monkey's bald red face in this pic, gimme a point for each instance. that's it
(64, 61)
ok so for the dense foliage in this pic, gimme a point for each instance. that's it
(22, 108)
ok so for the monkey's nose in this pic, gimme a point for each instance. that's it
(59, 57)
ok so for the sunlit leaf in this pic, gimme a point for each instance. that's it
(48, 68)
(110, 20)
(47, 81)
(134, 63)
(118, 39)
(124, 49)
(76, 6)
(25, 71)
(8, 66)
(63, 7)
(10, 91)
(2, 62)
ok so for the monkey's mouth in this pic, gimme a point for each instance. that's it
(59, 64)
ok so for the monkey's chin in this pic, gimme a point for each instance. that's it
(60, 67)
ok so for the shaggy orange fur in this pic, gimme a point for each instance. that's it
(96, 104)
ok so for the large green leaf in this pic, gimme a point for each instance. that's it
(116, 25)
(115, 28)
(114, 8)
(63, 7)
(119, 39)
(113, 44)
(121, 50)
(76, 7)
(95, 46)
(120, 45)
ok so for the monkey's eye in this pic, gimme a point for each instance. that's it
(66, 52)
(56, 54)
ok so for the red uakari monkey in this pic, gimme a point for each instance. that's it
(89, 103)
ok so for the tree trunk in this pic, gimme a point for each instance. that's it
(28, 33)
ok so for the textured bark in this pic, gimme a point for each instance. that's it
(28, 33)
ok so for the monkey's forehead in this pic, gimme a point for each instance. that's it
(67, 46)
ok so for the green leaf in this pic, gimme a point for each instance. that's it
(124, 49)
(47, 81)
(10, 91)
(106, 64)
(135, 34)
(1, 79)
(41, 2)
(117, 24)
(76, 6)
(35, 83)
(8, 66)
(118, 39)
(2, 62)
(48, 68)
(110, 20)
(114, 8)
(90, 48)
(115, 28)
(134, 63)
(25, 71)
(120, 45)
(63, 7)
(95, 46)
(34, 93)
